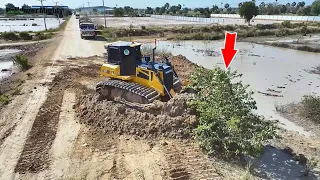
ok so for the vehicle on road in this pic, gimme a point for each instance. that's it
(88, 30)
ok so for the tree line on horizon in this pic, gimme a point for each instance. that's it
(294, 8)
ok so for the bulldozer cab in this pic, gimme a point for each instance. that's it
(125, 54)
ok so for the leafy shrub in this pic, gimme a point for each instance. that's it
(227, 124)
(143, 27)
(286, 24)
(10, 36)
(282, 32)
(205, 29)
(304, 30)
(21, 61)
(229, 28)
(311, 108)
(25, 36)
(43, 36)
(4, 99)
(266, 26)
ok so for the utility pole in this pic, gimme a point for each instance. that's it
(88, 8)
(104, 14)
(57, 11)
(44, 17)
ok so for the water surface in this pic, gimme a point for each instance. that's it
(263, 67)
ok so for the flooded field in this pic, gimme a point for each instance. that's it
(28, 25)
(140, 21)
(276, 75)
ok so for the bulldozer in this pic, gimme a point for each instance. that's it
(136, 78)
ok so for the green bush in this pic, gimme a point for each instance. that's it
(10, 36)
(227, 125)
(286, 24)
(229, 28)
(43, 36)
(282, 32)
(4, 99)
(25, 36)
(21, 61)
(311, 108)
(266, 26)
(304, 30)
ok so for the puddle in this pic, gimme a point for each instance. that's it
(6, 63)
(276, 164)
(263, 68)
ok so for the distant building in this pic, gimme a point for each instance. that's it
(109, 10)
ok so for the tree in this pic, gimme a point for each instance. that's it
(118, 12)
(157, 10)
(301, 4)
(293, 4)
(226, 6)
(227, 125)
(162, 10)
(315, 8)
(248, 10)
(95, 11)
(149, 10)
(283, 9)
(239, 5)
(214, 8)
(167, 5)
(304, 11)
(10, 6)
(1, 11)
(25, 6)
(179, 7)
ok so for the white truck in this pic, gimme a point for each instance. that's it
(88, 30)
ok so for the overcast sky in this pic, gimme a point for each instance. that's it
(135, 3)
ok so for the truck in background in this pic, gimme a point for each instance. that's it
(88, 29)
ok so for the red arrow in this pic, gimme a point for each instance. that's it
(228, 52)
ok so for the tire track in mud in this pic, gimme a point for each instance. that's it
(186, 161)
(35, 154)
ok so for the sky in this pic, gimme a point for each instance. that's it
(137, 3)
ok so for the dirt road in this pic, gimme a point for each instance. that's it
(41, 139)
(20, 115)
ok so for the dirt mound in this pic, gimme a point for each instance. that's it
(160, 119)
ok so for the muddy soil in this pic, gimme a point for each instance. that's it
(171, 119)
(16, 78)
(35, 154)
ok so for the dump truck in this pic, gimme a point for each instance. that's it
(135, 78)
(88, 29)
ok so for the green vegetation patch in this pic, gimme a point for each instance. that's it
(227, 124)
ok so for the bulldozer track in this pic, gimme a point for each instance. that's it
(148, 95)
(35, 154)
(186, 161)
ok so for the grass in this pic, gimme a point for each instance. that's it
(311, 108)
(4, 99)
(315, 70)
(21, 61)
(147, 50)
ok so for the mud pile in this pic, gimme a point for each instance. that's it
(171, 119)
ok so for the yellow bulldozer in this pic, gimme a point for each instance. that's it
(136, 78)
